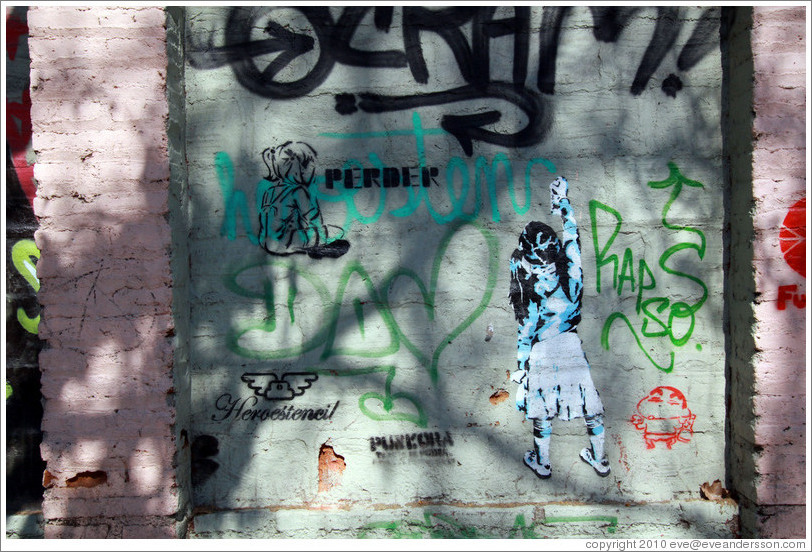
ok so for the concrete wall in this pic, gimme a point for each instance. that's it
(399, 349)
(363, 389)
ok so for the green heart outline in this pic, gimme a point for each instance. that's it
(387, 399)
(431, 365)
(374, 299)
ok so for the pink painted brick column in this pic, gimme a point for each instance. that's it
(99, 112)
(779, 180)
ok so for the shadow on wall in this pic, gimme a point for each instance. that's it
(766, 277)
(105, 281)
(23, 486)
(220, 470)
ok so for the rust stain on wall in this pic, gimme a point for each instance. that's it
(623, 459)
(87, 479)
(331, 467)
(499, 396)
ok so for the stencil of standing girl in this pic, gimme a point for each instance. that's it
(553, 374)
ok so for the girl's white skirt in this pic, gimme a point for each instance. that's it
(559, 382)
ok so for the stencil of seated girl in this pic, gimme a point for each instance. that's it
(290, 219)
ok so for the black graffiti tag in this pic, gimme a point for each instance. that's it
(258, 63)
(466, 128)
(333, 39)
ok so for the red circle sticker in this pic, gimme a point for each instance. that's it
(793, 237)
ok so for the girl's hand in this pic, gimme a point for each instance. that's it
(558, 192)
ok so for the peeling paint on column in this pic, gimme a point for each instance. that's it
(87, 479)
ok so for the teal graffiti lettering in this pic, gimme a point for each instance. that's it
(457, 171)
(238, 218)
(234, 200)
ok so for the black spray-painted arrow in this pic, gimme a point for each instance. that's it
(282, 40)
(467, 128)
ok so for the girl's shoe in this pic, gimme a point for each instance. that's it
(601, 468)
(542, 471)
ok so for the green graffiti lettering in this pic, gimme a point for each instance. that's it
(677, 181)
(444, 526)
(607, 326)
(626, 271)
(256, 281)
(611, 520)
(400, 406)
(659, 316)
(681, 310)
(371, 299)
(661, 304)
(675, 249)
(644, 271)
(359, 313)
(266, 293)
(601, 259)
(520, 526)
(428, 294)
(428, 527)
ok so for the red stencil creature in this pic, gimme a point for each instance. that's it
(663, 415)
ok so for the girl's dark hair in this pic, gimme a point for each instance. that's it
(533, 249)
(292, 161)
(536, 233)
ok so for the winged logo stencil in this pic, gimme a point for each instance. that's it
(279, 388)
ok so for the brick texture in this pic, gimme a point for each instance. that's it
(99, 116)
(778, 167)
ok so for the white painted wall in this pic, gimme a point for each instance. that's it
(378, 366)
